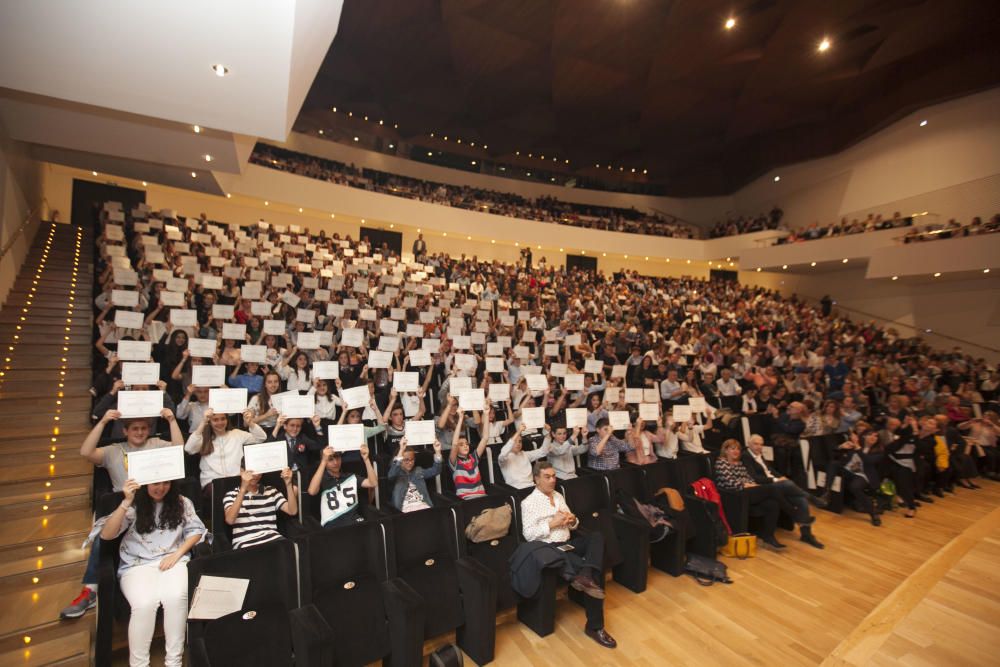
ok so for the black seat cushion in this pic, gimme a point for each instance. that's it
(263, 640)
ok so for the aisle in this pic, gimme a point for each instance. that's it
(45, 334)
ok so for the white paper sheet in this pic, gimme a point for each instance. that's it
(471, 399)
(420, 432)
(162, 464)
(533, 417)
(346, 437)
(140, 403)
(576, 417)
(217, 596)
(233, 331)
(619, 419)
(201, 347)
(649, 411)
(183, 317)
(326, 370)
(356, 397)
(129, 319)
(266, 456)
(406, 381)
(499, 392)
(227, 401)
(255, 353)
(134, 373)
(205, 375)
(134, 350)
(352, 337)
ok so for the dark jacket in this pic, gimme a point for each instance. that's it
(527, 563)
(756, 471)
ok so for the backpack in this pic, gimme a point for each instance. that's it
(704, 488)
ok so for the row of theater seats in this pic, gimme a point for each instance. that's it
(380, 588)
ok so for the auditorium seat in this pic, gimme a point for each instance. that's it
(667, 554)
(222, 532)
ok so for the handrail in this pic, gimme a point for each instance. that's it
(910, 326)
(20, 230)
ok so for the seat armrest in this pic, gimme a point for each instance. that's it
(312, 638)
(107, 592)
(198, 653)
(736, 506)
(633, 537)
(478, 585)
(405, 611)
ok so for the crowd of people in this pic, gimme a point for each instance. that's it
(543, 209)
(747, 224)
(952, 229)
(444, 361)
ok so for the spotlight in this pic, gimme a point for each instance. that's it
(923, 123)
(220, 70)
(824, 45)
(730, 23)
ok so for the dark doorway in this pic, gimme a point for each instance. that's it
(721, 274)
(394, 240)
(581, 262)
(89, 197)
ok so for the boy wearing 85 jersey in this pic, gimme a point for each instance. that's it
(338, 491)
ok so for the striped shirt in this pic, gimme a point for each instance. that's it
(468, 481)
(257, 520)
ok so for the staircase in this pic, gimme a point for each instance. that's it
(45, 514)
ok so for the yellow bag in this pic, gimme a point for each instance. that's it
(741, 545)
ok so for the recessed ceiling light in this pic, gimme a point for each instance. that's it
(986, 270)
(928, 330)
(208, 158)
(392, 145)
(429, 154)
(220, 70)
(94, 173)
(758, 269)
(645, 171)
(197, 129)
(321, 132)
(503, 168)
(529, 173)
(395, 126)
(895, 277)
(334, 109)
(267, 203)
(473, 163)
(784, 266)
(813, 264)
(144, 184)
(824, 45)
(333, 215)
(355, 138)
(730, 23)
(777, 178)
(300, 209)
(229, 195)
(923, 123)
(844, 260)
(689, 261)
(937, 275)
(194, 174)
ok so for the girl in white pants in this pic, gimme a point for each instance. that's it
(160, 528)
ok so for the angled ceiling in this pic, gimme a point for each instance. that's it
(652, 84)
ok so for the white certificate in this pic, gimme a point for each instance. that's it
(593, 366)
(140, 403)
(471, 399)
(128, 319)
(420, 432)
(573, 381)
(305, 315)
(612, 395)
(466, 362)
(576, 417)
(649, 412)
(767, 453)
(261, 308)
(432, 345)
(183, 317)
(456, 383)
(557, 370)
(352, 337)
(682, 413)
(537, 382)
(126, 277)
(461, 342)
(201, 347)
(633, 395)
(551, 349)
(307, 340)
(233, 331)
(388, 343)
(494, 365)
(650, 395)
(134, 350)
(356, 397)
(347, 437)
(574, 339)
(697, 404)
(414, 331)
(533, 417)
(162, 464)
(255, 353)
(419, 358)
(205, 375)
(274, 327)
(326, 370)
(388, 326)
(276, 399)
(266, 457)
(297, 406)
(499, 392)
(379, 359)
(619, 371)
(223, 312)
(124, 298)
(172, 299)
(134, 372)
(367, 314)
(227, 401)
(619, 420)
(406, 382)
(212, 282)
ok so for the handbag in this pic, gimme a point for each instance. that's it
(706, 571)
(490, 524)
(741, 545)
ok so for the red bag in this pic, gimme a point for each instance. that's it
(705, 488)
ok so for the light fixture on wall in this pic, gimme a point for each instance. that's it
(937, 274)
(220, 69)
(777, 178)
(197, 129)
(824, 45)
(730, 23)
(923, 123)
(895, 277)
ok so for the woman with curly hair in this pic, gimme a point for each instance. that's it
(161, 528)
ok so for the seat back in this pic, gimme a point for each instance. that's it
(494, 554)
(222, 532)
(264, 637)
(629, 479)
(586, 494)
(341, 573)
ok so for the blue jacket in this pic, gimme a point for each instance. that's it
(418, 476)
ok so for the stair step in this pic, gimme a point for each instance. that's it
(66, 465)
(61, 487)
(31, 530)
(38, 617)
(52, 572)
(70, 650)
(68, 429)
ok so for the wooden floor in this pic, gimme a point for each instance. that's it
(45, 513)
(800, 606)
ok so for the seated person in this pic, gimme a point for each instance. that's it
(732, 475)
(763, 474)
(302, 447)
(409, 491)
(547, 518)
(160, 527)
(604, 448)
(339, 499)
(252, 511)
(563, 449)
(860, 457)
(464, 463)
(515, 463)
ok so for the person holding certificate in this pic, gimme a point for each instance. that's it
(515, 462)
(252, 510)
(260, 406)
(221, 445)
(464, 462)
(338, 490)
(294, 370)
(409, 491)
(605, 448)
(303, 449)
(161, 528)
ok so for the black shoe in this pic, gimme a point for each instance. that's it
(602, 637)
(773, 543)
(586, 585)
(924, 498)
(819, 501)
(876, 521)
(939, 493)
(917, 503)
(811, 540)
(809, 520)
(950, 488)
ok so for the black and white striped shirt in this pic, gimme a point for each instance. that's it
(257, 521)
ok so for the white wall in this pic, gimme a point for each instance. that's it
(20, 194)
(950, 167)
